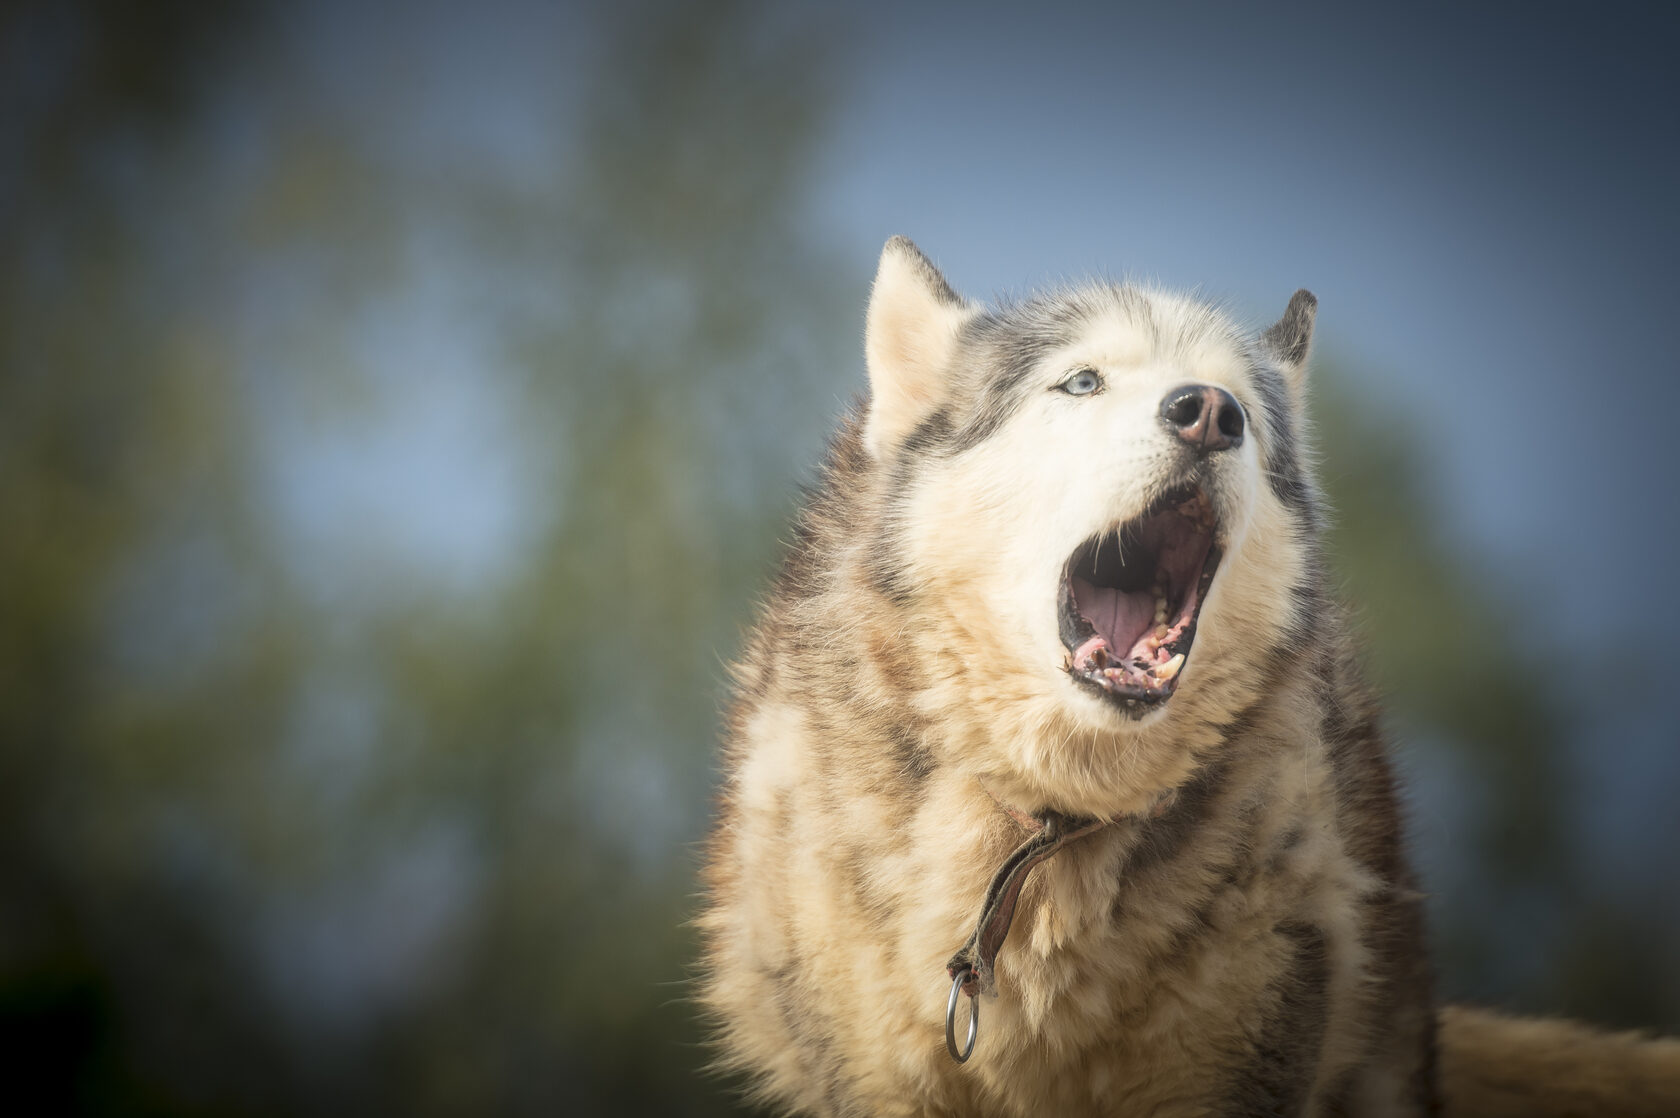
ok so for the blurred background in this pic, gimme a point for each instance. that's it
(400, 407)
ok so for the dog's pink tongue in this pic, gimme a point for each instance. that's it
(1119, 617)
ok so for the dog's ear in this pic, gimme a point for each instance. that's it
(1289, 339)
(910, 336)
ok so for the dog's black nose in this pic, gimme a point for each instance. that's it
(1207, 418)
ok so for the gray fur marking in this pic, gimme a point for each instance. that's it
(926, 270)
(1276, 1081)
(1291, 336)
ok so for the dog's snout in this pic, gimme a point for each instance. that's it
(1206, 417)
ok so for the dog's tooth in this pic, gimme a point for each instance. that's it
(1168, 670)
(1161, 631)
(1086, 652)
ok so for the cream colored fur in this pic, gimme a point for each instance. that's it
(912, 332)
(1493, 1065)
(1256, 949)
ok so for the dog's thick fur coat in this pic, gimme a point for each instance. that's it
(1245, 936)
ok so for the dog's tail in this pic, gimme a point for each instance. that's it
(1492, 1066)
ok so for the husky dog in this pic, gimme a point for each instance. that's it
(1051, 786)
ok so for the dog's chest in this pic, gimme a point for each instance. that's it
(1155, 975)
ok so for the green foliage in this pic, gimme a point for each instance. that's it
(1516, 920)
(293, 825)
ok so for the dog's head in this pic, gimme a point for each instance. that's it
(1096, 500)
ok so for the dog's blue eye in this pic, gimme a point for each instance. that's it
(1082, 383)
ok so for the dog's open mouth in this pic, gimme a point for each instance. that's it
(1130, 598)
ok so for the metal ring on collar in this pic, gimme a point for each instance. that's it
(951, 1019)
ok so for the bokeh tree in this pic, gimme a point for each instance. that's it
(294, 821)
(382, 496)
(1484, 724)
